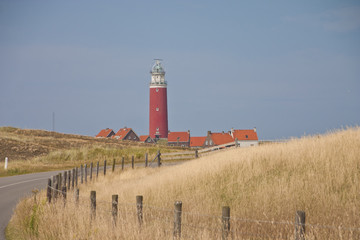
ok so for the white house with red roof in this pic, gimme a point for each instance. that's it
(245, 138)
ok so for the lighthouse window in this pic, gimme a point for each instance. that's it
(157, 109)
(157, 90)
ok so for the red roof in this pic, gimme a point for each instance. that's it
(144, 137)
(178, 137)
(121, 134)
(104, 133)
(242, 135)
(221, 138)
(197, 141)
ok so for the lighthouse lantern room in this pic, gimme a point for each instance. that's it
(158, 120)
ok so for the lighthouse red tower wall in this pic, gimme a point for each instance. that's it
(158, 112)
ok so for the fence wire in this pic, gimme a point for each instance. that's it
(158, 222)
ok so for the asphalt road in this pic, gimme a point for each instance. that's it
(13, 189)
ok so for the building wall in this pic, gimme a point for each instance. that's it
(179, 144)
(158, 111)
(248, 143)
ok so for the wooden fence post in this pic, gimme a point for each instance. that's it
(60, 182)
(115, 200)
(73, 178)
(104, 167)
(76, 196)
(56, 191)
(113, 165)
(81, 174)
(76, 176)
(91, 170)
(53, 186)
(159, 158)
(97, 169)
(63, 191)
(85, 172)
(48, 192)
(69, 179)
(146, 159)
(122, 163)
(196, 153)
(93, 203)
(132, 162)
(65, 178)
(300, 225)
(177, 220)
(139, 207)
(225, 222)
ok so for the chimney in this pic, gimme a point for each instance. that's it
(232, 132)
(254, 129)
(209, 133)
(189, 131)
(222, 132)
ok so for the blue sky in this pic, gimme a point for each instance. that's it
(288, 68)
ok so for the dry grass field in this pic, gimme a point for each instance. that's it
(37, 150)
(263, 186)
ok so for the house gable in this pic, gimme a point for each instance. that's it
(146, 139)
(126, 134)
(104, 133)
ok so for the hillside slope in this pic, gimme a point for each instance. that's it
(38, 150)
(264, 187)
(25, 144)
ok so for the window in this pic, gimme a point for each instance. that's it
(206, 143)
(210, 142)
(246, 136)
(157, 90)
(129, 137)
(157, 109)
(157, 129)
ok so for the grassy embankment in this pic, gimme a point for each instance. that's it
(319, 175)
(37, 150)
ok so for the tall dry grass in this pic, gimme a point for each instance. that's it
(264, 186)
(37, 150)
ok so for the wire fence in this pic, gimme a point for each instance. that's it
(196, 225)
(165, 223)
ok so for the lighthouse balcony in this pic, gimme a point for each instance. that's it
(158, 83)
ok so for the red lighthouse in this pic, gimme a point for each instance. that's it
(158, 127)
